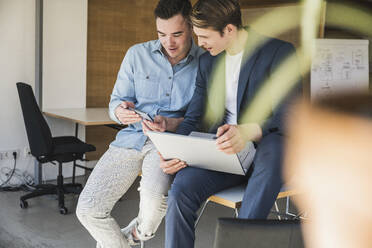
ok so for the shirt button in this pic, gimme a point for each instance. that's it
(147, 77)
(170, 78)
(167, 94)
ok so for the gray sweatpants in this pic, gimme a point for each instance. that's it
(114, 173)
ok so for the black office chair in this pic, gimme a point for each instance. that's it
(239, 233)
(46, 148)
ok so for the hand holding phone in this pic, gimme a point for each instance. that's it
(159, 124)
(144, 115)
(126, 116)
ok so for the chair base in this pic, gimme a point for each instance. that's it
(51, 189)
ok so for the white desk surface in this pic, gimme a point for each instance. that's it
(84, 116)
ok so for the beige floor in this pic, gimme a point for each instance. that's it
(41, 225)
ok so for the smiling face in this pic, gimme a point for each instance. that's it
(213, 41)
(175, 37)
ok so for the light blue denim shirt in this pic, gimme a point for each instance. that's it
(147, 78)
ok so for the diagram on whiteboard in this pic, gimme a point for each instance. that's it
(339, 66)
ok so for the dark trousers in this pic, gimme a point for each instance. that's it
(192, 186)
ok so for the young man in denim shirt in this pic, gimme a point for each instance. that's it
(156, 77)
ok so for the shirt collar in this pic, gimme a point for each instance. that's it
(157, 47)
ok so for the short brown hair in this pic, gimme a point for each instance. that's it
(166, 9)
(216, 14)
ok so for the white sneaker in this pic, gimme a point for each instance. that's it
(127, 232)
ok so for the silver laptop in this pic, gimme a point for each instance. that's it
(199, 150)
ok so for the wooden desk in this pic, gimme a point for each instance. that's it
(83, 116)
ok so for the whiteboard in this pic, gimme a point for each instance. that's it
(339, 66)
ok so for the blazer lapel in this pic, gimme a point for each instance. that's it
(216, 91)
(249, 58)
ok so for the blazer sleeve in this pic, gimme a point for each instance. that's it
(276, 122)
(194, 113)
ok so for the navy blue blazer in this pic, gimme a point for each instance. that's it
(257, 65)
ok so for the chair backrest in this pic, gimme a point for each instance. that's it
(38, 131)
(258, 233)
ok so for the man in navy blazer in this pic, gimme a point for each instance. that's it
(229, 78)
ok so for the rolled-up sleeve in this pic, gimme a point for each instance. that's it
(124, 85)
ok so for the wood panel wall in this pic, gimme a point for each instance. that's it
(113, 27)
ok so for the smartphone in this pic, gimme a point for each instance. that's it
(144, 115)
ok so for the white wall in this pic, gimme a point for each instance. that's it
(65, 45)
(64, 64)
(17, 63)
(64, 70)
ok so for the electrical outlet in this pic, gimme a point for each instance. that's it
(4, 155)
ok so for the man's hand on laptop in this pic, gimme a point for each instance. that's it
(232, 139)
(126, 116)
(229, 139)
(171, 166)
